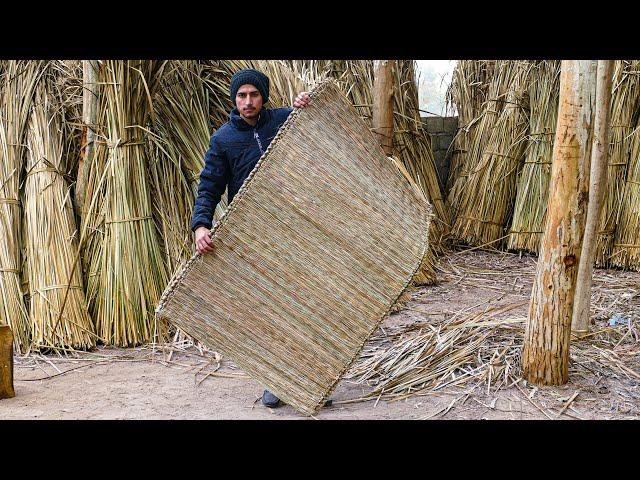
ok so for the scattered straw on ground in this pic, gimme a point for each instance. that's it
(477, 346)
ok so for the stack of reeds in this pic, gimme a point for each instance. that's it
(123, 259)
(58, 309)
(533, 184)
(626, 249)
(625, 101)
(19, 81)
(181, 133)
(497, 154)
(468, 92)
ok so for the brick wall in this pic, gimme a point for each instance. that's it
(442, 130)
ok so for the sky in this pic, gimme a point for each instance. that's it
(433, 80)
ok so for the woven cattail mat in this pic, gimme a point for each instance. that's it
(321, 240)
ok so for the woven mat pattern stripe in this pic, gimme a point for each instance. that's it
(321, 240)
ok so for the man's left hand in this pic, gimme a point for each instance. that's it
(302, 100)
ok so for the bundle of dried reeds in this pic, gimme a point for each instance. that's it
(181, 133)
(626, 249)
(499, 81)
(58, 309)
(468, 93)
(125, 269)
(533, 183)
(487, 199)
(625, 100)
(19, 81)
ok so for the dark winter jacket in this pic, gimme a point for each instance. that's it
(233, 152)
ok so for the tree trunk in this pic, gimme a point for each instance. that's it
(383, 79)
(89, 109)
(545, 356)
(6, 363)
(598, 184)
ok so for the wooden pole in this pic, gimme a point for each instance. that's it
(383, 86)
(89, 111)
(6, 363)
(598, 184)
(545, 356)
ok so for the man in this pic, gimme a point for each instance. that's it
(233, 152)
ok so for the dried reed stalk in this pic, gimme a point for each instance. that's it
(468, 93)
(58, 309)
(181, 136)
(533, 183)
(626, 249)
(625, 101)
(19, 81)
(489, 193)
(126, 272)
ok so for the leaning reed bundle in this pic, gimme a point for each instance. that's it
(624, 105)
(58, 309)
(485, 124)
(181, 137)
(311, 255)
(19, 80)
(533, 183)
(125, 270)
(626, 249)
(490, 190)
(468, 93)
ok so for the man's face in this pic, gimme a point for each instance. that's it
(248, 101)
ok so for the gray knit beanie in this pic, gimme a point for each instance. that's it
(251, 77)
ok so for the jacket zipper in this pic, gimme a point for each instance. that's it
(255, 135)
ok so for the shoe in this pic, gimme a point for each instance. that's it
(270, 400)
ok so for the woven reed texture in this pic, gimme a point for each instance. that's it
(312, 253)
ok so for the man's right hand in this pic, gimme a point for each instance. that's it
(204, 244)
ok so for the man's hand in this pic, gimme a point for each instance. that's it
(302, 100)
(204, 244)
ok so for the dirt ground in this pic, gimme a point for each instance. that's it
(184, 382)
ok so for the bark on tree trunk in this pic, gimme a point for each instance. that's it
(383, 79)
(89, 109)
(545, 356)
(6, 363)
(598, 184)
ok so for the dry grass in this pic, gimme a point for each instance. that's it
(468, 92)
(125, 269)
(58, 309)
(18, 84)
(489, 191)
(479, 346)
(625, 100)
(533, 182)
(626, 249)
